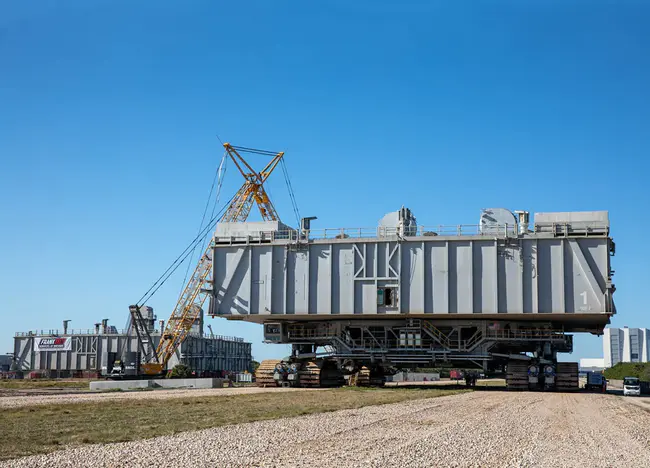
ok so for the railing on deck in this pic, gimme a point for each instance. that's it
(92, 331)
(221, 337)
(381, 231)
(527, 335)
(77, 331)
(502, 231)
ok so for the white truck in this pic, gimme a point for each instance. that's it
(631, 386)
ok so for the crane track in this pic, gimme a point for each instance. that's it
(566, 376)
(517, 375)
(264, 373)
(320, 374)
(312, 374)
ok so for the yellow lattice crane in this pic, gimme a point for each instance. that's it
(189, 305)
(253, 188)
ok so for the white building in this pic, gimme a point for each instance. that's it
(592, 364)
(626, 345)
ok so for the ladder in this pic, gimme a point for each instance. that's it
(436, 334)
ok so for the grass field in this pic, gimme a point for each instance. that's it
(43, 383)
(39, 429)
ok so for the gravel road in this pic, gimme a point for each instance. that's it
(473, 429)
(15, 401)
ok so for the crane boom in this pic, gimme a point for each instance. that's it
(252, 191)
(185, 314)
(189, 306)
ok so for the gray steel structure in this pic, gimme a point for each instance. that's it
(92, 351)
(412, 294)
(5, 362)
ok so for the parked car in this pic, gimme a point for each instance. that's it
(631, 386)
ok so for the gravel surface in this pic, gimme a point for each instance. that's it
(473, 429)
(15, 401)
(642, 402)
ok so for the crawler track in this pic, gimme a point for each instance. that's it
(517, 375)
(566, 376)
(320, 374)
(363, 380)
(264, 373)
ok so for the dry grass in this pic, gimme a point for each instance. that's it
(23, 384)
(39, 429)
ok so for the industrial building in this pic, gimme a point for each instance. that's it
(92, 352)
(592, 364)
(5, 362)
(626, 345)
(620, 345)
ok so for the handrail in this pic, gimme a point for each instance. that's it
(322, 330)
(90, 331)
(527, 334)
(459, 230)
(474, 339)
(436, 333)
(78, 331)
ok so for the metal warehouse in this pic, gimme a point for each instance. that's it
(92, 352)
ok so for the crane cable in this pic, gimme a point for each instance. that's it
(218, 181)
(183, 255)
(218, 178)
(171, 269)
(290, 188)
(221, 176)
(201, 236)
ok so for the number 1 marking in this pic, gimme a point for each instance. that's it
(584, 297)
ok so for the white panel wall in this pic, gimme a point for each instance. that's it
(430, 276)
(621, 339)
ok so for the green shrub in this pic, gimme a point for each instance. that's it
(628, 369)
(181, 371)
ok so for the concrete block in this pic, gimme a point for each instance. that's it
(118, 384)
(187, 383)
(155, 383)
(415, 377)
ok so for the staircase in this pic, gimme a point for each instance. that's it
(456, 343)
(436, 334)
(475, 339)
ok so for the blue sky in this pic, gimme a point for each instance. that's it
(109, 112)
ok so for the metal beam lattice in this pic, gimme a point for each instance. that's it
(253, 188)
(188, 308)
